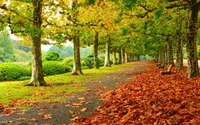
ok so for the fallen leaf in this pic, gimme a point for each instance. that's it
(84, 109)
(75, 118)
(32, 119)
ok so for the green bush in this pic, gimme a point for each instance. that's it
(89, 62)
(68, 68)
(101, 60)
(53, 56)
(13, 72)
(53, 67)
(68, 61)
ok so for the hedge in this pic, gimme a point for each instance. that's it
(13, 72)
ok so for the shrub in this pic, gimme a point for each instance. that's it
(53, 56)
(13, 72)
(68, 61)
(68, 68)
(101, 60)
(53, 67)
(89, 62)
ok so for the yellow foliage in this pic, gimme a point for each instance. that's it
(26, 41)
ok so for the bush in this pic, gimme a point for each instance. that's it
(68, 61)
(13, 72)
(101, 60)
(68, 68)
(89, 62)
(53, 67)
(53, 56)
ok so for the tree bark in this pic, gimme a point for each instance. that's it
(179, 50)
(107, 54)
(96, 61)
(162, 55)
(123, 55)
(191, 47)
(77, 59)
(126, 57)
(114, 58)
(120, 56)
(37, 78)
(170, 59)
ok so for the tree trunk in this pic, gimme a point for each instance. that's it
(107, 56)
(170, 59)
(114, 58)
(162, 55)
(179, 50)
(96, 61)
(77, 60)
(191, 47)
(120, 56)
(123, 55)
(126, 57)
(37, 78)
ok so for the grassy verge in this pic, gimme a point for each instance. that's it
(18, 94)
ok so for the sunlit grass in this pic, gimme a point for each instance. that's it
(60, 85)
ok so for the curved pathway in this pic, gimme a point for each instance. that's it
(77, 104)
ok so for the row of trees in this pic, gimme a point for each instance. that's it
(129, 27)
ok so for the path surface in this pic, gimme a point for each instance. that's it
(77, 105)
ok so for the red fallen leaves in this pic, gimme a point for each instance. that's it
(151, 99)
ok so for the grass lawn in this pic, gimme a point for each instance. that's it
(16, 93)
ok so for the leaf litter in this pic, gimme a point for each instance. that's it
(151, 98)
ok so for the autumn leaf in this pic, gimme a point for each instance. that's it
(75, 118)
(84, 109)
(47, 116)
(54, 106)
(32, 119)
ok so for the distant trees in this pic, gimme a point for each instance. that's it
(6, 47)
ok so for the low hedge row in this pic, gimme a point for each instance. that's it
(13, 72)
(53, 68)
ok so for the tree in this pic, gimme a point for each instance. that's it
(107, 53)
(191, 45)
(6, 47)
(37, 78)
(64, 51)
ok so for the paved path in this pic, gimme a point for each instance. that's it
(77, 104)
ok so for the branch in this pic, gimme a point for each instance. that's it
(3, 7)
(185, 5)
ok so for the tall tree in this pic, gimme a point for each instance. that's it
(37, 78)
(191, 46)
(107, 53)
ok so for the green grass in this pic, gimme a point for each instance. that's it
(61, 85)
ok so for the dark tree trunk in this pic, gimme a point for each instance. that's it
(96, 61)
(123, 55)
(156, 57)
(162, 55)
(107, 54)
(170, 59)
(77, 60)
(37, 78)
(120, 56)
(179, 50)
(191, 46)
(114, 58)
